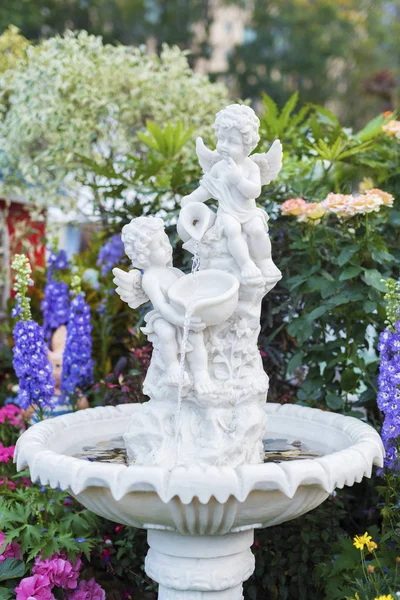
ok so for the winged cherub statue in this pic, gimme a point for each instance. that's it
(148, 247)
(234, 178)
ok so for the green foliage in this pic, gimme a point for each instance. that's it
(13, 48)
(75, 96)
(341, 54)
(358, 571)
(321, 322)
(287, 554)
(168, 141)
(42, 521)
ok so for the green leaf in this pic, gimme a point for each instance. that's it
(373, 278)
(334, 402)
(347, 253)
(317, 312)
(372, 128)
(348, 380)
(287, 111)
(369, 307)
(349, 273)
(11, 568)
(294, 362)
(6, 593)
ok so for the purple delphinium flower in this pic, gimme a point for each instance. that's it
(30, 362)
(32, 366)
(110, 254)
(57, 260)
(389, 392)
(55, 305)
(77, 371)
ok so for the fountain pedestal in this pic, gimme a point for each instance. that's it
(200, 567)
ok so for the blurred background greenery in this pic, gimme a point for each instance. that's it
(343, 54)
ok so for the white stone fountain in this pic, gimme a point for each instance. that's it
(196, 477)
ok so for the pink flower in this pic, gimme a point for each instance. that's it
(6, 481)
(87, 590)
(11, 413)
(37, 587)
(6, 452)
(59, 570)
(12, 550)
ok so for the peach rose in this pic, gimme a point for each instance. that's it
(387, 198)
(293, 207)
(338, 204)
(392, 129)
(364, 203)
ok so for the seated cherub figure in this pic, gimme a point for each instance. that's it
(234, 178)
(148, 247)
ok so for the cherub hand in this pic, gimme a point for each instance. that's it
(233, 174)
(186, 200)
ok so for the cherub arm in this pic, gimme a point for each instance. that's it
(250, 187)
(199, 195)
(157, 298)
(166, 310)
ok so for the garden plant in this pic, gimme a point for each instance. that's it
(330, 335)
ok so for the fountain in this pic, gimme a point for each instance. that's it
(206, 460)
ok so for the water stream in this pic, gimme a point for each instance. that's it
(186, 328)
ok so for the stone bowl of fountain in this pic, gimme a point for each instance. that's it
(211, 295)
(200, 521)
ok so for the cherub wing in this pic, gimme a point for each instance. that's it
(129, 287)
(270, 163)
(207, 158)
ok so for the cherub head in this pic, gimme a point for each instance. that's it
(236, 127)
(146, 243)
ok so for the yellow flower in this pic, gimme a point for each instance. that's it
(371, 546)
(359, 541)
(366, 184)
(370, 569)
(388, 597)
(312, 213)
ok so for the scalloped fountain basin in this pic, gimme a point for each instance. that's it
(196, 501)
(213, 292)
(201, 521)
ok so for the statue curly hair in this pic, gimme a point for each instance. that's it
(244, 119)
(137, 236)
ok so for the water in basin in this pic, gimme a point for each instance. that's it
(277, 449)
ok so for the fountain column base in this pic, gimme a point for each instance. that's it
(200, 567)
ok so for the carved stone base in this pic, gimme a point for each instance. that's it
(200, 567)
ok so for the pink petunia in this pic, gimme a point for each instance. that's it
(12, 414)
(6, 452)
(6, 481)
(37, 587)
(87, 590)
(59, 570)
(12, 550)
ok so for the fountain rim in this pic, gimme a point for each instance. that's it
(334, 470)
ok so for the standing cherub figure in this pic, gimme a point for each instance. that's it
(234, 178)
(148, 247)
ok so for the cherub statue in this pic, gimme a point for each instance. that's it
(234, 178)
(148, 247)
